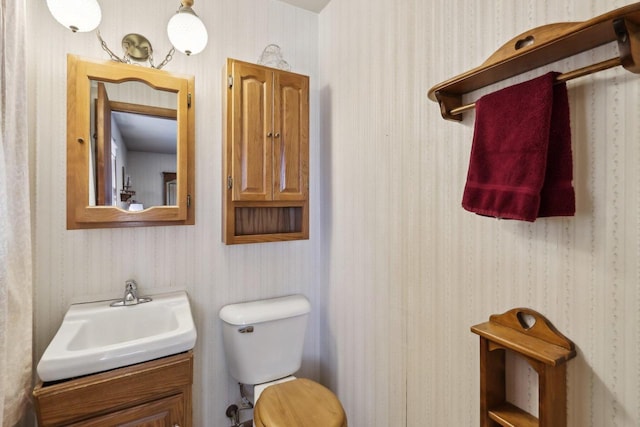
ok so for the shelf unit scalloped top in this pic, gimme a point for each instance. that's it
(528, 333)
(544, 45)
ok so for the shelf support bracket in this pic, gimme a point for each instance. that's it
(628, 44)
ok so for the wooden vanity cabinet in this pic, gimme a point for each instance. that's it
(266, 154)
(150, 394)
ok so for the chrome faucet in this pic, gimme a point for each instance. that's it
(130, 295)
(130, 292)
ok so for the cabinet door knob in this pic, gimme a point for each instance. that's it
(277, 135)
(269, 134)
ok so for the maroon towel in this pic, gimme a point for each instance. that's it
(521, 163)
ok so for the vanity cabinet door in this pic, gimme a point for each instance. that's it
(148, 394)
(167, 412)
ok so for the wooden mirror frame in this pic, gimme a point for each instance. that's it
(80, 215)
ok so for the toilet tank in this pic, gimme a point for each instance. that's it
(263, 339)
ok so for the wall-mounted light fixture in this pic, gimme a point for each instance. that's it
(186, 31)
(77, 15)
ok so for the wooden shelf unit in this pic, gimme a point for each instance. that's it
(531, 336)
(544, 45)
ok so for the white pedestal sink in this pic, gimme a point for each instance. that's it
(96, 337)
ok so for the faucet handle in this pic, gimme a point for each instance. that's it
(131, 285)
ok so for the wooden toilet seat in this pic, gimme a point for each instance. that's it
(298, 403)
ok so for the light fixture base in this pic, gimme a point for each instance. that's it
(137, 47)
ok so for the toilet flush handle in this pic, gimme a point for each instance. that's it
(246, 330)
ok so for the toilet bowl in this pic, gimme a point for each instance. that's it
(263, 342)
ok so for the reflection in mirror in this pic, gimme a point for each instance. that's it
(170, 186)
(130, 149)
(140, 140)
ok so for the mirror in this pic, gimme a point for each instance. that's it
(132, 143)
(130, 149)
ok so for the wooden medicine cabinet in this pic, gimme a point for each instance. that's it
(127, 128)
(265, 154)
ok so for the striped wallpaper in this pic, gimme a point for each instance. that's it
(407, 271)
(396, 270)
(84, 265)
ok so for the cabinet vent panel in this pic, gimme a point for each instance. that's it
(268, 220)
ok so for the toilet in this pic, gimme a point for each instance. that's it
(263, 342)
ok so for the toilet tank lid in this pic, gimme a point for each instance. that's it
(245, 313)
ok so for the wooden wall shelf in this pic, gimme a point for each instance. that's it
(530, 335)
(544, 45)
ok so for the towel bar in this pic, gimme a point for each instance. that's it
(544, 45)
(570, 75)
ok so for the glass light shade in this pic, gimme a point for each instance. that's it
(186, 32)
(77, 15)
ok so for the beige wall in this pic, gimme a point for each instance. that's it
(86, 265)
(397, 272)
(408, 271)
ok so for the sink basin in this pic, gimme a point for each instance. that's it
(96, 337)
